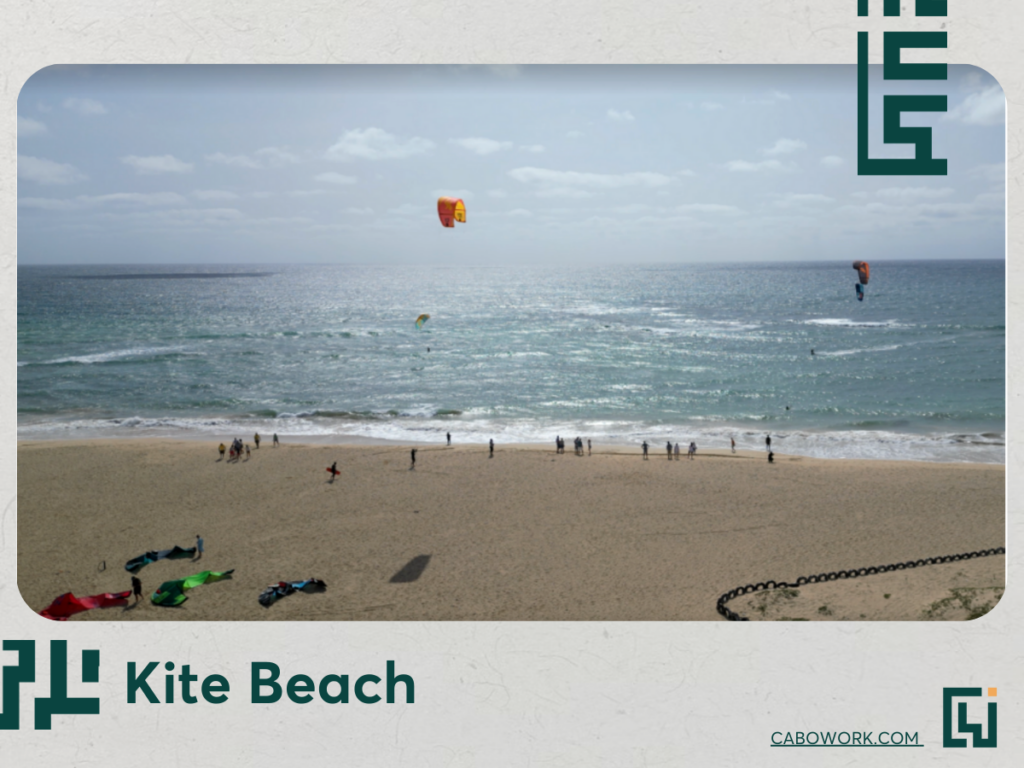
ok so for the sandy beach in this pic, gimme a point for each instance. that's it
(527, 535)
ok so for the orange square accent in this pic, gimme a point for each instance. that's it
(991, 691)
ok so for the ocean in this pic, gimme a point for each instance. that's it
(614, 354)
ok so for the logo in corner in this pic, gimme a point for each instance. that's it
(58, 702)
(950, 734)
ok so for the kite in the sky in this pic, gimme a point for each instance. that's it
(421, 320)
(450, 210)
(864, 270)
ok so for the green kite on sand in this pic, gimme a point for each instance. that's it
(173, 592)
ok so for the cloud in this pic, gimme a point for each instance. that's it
(744, 166)
(91, 201)
(987, 107)
(801, 199)
(277, 156)
(85, 106)
(29, 127)
(482, 146)
(781, 96)
(575, 135)
(832, 161)
(358, 211)
(620, 117)
(784, 147)
(575, 184)
(903, 194)
(519, 212)
(268, 157)
(534, 148)
(308, 192)
(991, 172)
(462, 194)
(408, 209)
(334, 178)
(506, 71)
(376, 144)
(157, 164)
(238, 161)
(43, 171)
(213, 194)
(711, 106)
(707, 208)
(686, 173)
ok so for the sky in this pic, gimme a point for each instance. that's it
(557, 165)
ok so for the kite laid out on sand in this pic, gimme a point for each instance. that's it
(275, 592)
(450, 210)
(864, 270)
(421, 320)
(175, 553)
(173, 592)
(68, 605)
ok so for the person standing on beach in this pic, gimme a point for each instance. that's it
(733, 441)
(771, 457)
(491, 456)
(276, 441)
(668, 447)
(256, 439)
(221, 448)
(645, 450)
(558, 443)
(247, 454)
(588, 446)
(199, 547)
(136, 588)
(334, 471)
(768, 443)
(692, 450)
(449, 439)
(413, 454)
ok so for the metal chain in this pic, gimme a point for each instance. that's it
(834, 575)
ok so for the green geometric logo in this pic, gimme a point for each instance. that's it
(962, 726)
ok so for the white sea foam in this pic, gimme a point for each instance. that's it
(843, 322)
(105, 357)
(987, 448)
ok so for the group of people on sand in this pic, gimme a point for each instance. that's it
(692, 450)
(577, 445)
(238, 447)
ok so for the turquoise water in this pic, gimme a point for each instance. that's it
(615, 354)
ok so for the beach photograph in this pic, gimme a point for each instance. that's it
(509, 343)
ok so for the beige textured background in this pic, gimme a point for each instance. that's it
(552, 694)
